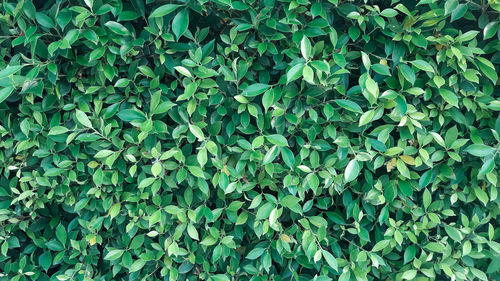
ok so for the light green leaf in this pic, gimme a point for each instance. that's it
(287, 156)
(453, 233)
(292, 203)
(113, 254)
(480, 150)
(180, 23)
(352, 170)
(349, 105)
(255, 89)
(422, 65)
(82, 118)
(196, 171)
(57, 130)
(117, 28)
(197, 132)
(163, 10)
(449, 97)
(255, 253)
(184, 71)
(330, 259)
(5, 93)
(278, 140)
(381, 245)
(294, 72)
(9, 70)
(137, 265)
(409, 274)
(305, 47)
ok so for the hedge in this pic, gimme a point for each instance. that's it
(249, 140)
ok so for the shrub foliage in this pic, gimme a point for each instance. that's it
(249, 140)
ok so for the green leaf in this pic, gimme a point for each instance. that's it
(481, 195)
(163, 10)
(5, 93)
(292, 203)
(44, 20)
(407, 73)
(188, 91)
(129, 115)
(287, 156)
(136, 242)
(308, 74)
(410, 253)
(45, 260)
(389, 13)
(419, 40)
(381, 69)
(479, 150)
(349, 105)
(449, 97)
(267, 99)
(117, 28)
(196, 171)
(182, 70)
(352, 170)
(57, 130)
(10, 70)
(453, 233)
(487, 68)
(137, 265)
(409, 274)
(381, 245)
(366, 117)
(490, 29)
(332, 262)
(402, 168)
(122, 83)
(422, 65)
(479, 274)
(427, 198)
(114, 210)
(278, 140)
(180, 23)
(435, 247)
(83, 119)
(255, 253)
(220, 277)
(97, 53)
(61, 234)
(270, 155)
(192, 232)
(154, 218)
(146, 182)
(197, 132)
(113, 255)
(255, 89)
(294, 72)
(305, 47)
(458, 12)
(156, 169)
(372, 87)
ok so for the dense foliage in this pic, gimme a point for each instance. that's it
(249, 140)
